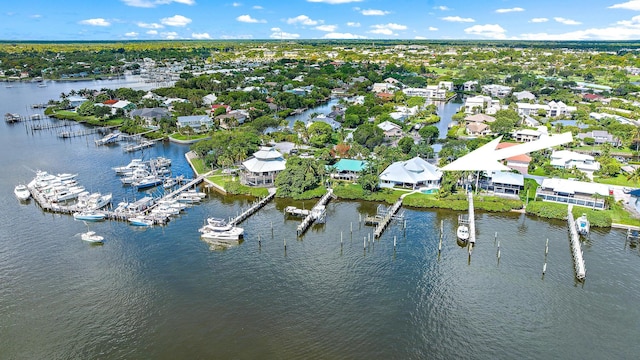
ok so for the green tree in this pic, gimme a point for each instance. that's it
(429, 133)
(301, 174)
(506, 121)
(406, 144)
(368, 135)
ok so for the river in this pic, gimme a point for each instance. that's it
(161, 293)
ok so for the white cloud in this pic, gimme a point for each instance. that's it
(231, 37)
(334, 35)
(387, 29)
(95, 22)
(457, 19)
(333, 2)
(622, 30)
(373, 12)
(171, 35)
(303, 20)
(131, 34)
(538, 20)
(492, 31)
(35, 16)
(353, 24)
(629, 5)
(420, 38)
(442, 8)
(152, 32)
(515, 9)
(236, 4)
(154, 3)
(150, 25)
(328, 28)
(279, 34)
(566, 21)
(176, 20)
(200, 36)
(257, 7)
(249, 19)
(431, 28)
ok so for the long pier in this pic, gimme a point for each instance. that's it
(253, 208)
(85, 132)
(472, 220)
(317, 212)
(384, 222)
(576, 250)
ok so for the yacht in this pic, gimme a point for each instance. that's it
(134, 164)
(582, 225)
(92, 237)
(147, 182)
(22, 192)
(108, 139)
(89, 216)
(218, 229)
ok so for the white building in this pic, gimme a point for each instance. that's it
(198, 123)
(390, 129)
(262, 168)
(552, 109)
(496, 90)
(470, 85)
(414, 173)
(569, 159)
(573, 192)
(383, 87)
(481, 104)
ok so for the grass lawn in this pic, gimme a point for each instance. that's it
(199, 166)
(621, 180)
(355, 192)
(179, 136)
(234, 187)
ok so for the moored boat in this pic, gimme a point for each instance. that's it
(463, 233)
(583, 225)
(218, 229)
(89, 216)
(22, 192)
(140, 221)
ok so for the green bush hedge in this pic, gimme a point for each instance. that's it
(549, 210)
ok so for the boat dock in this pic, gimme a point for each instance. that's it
(472, 220)
(390, 215)
(576, 250)
(318, 213)
(294, 211)
(85, 132)
(141, 207)
(253, 208)
(141, 146)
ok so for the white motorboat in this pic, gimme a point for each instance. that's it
(148, 182)
(22, 192)
(89, 216)
(583, 225)
(93, 201)
(218, 229)
(463, 232)
(140, 221)
(67, 194)
(92, 237)
(134, 164)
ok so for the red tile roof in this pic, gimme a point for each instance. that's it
(524, 158)
(110, 102)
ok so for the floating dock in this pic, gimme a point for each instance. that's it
(318, 213)
(576, 250)
(253, 208)
(390, 215)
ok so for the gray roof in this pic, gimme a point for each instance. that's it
(156, 113)
(411, 171)
(509, 178)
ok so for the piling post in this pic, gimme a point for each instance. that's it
(394, 242)
(352, 227)
(285, 244)
(495, 237)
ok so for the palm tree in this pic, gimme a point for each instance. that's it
(634, 176)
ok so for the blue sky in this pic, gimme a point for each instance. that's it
(318, 19)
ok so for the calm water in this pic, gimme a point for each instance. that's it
(161, 293)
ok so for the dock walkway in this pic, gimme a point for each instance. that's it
(472, 220)
(384, 222)
(317, 213)
(576, 250)
(253, 208)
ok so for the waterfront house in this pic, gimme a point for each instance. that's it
(526, 135)
(524, 95)
(383, 87)
(125, 105)
(469, 86)
(481, 104)
(199, 123)
(75, 101)
(262, 168)
(325, 119)
(150, 115)
(569, 159)
(573, 192)
(415, 173)
(347, 169)
(505, 182)
(390, 129)
(480, 118)
(232, 119)
(601, 137)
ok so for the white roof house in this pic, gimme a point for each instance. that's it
(568, 159)
(209, 99)
(198, 123)
(573, 192)
(261, 169)
(390, 129)
(521, 95)
(496, 90)
(413, 173)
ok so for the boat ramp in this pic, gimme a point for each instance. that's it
(317, 213)
(576, 250)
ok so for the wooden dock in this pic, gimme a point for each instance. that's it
(384, 222)
(318, 213)
(472, 220)
(576, 250)
(253, 208)
(85, 132)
